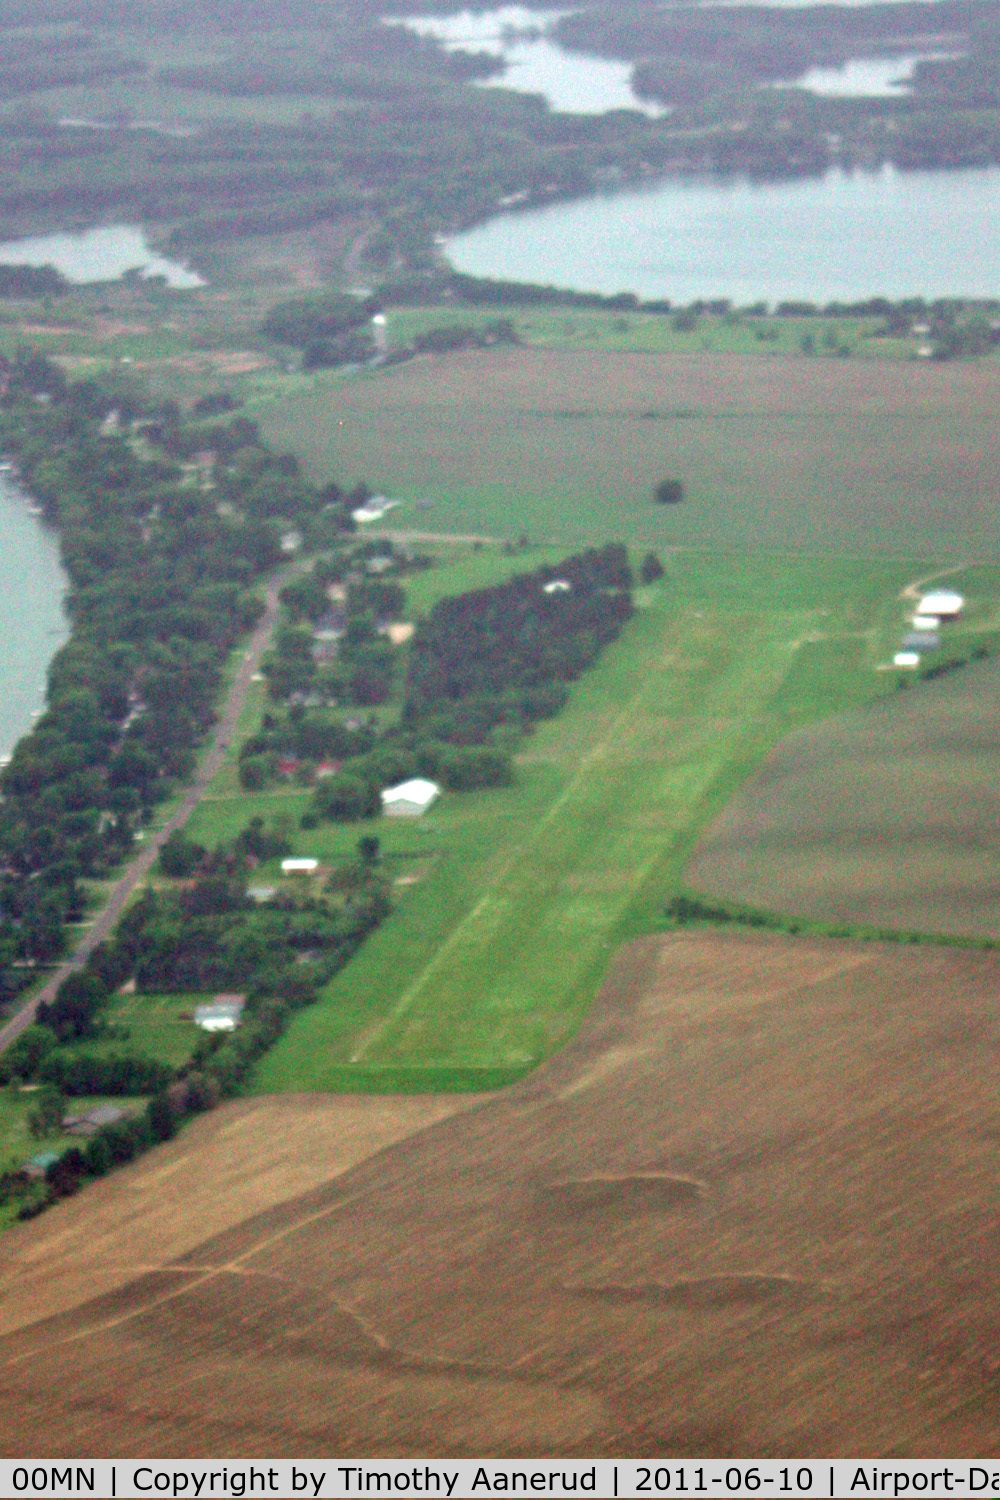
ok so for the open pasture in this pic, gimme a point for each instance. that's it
(888, 816)
(510, 902)
(863, 457)
(752, 1208)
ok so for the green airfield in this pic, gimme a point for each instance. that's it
(512, 901)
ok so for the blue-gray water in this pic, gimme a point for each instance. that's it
(569, 81)
(32, 623)
(101, 254)
(843, 237)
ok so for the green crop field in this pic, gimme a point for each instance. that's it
(508, 903)
(888, 816)
(868, 457)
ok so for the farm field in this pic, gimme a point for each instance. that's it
(509, 903)
(888, 816)
(752, 1207)
(245, 1158)
(863, 457)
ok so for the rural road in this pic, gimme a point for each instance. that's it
(135, 872)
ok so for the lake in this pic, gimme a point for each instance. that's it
(569, 81)
(865, 77)
(101, 254)
(32, 623)
(839, 237)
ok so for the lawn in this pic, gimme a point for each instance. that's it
(775, 454)
(156, 1026)
(509, 903)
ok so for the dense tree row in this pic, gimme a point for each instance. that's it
(31, 281)
(519, 639)
(483, 667)
(161, 585)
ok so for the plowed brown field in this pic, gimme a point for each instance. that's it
(754, 1208)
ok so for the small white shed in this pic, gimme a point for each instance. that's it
(944, 603)
(221, 1014)
(410, 799)
(906, 659)
(299, 866)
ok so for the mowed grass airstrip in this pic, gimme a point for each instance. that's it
(509, 903)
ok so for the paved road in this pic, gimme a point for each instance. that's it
(136, 872)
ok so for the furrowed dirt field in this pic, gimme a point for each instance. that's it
(888, 816)
(787, 453)
(755, 1207)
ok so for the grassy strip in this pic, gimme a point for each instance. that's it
(687, 909)
(497, 948)
(422, 1080)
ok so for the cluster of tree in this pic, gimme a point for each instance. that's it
(485, 291)
(71, 60)
(161, 586)
(483, 667)
(32, 281)
(449, 337)
(537, 630)
(301, 321)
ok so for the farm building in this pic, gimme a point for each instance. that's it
(557, 586)
(299, 866)
(410, 799)
(946, 604)
(906, 659)
(221, 1014)
(925, 622)
(921, 640)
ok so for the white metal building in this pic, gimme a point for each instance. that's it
(944, 603)
(410, 799)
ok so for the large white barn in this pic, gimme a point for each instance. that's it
(410, 799)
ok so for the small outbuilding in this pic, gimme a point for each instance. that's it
(925, 622)
(221, 1014)
(39, 1165)
(944, 603)
(557, 586)
(906, 659)
(921, 640)
(299, 866)
(410, 799)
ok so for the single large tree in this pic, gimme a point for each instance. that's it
(669, 492)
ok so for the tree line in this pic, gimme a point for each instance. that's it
(482, 668)
(161, 584)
